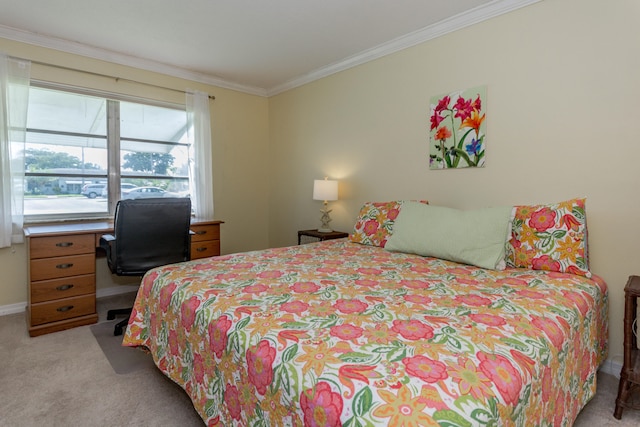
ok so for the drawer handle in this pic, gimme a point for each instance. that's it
(63, 266)
(64, 308)
(64, 244)
(201, 249)
(201, 232)
(64, 287)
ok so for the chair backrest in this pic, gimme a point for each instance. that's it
(150, 233)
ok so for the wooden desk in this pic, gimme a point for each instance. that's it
(62, 270)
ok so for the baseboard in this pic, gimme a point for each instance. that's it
(611, 367)
(19, 307)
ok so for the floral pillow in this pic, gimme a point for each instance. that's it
(550, 237)
(374, 224)
(375, 221)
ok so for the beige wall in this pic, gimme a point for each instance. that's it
(239, 125)
(562, 111)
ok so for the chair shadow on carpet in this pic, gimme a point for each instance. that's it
(123, 360)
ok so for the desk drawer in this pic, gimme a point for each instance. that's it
(205, 232)
(52, 268)
(48, 290)
(55, 246)
(66, 308)
(205, 249)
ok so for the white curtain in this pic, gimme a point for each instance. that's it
(14, 99)
(199, 128)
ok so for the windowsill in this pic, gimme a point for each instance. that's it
(67, 220)
(87, 220)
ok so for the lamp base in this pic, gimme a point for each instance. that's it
(325, 219)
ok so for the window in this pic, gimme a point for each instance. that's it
(85, 151)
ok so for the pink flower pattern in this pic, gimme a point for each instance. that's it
(232, 401)
(296, 307)
(259, 365)
(349, 306)
(504, 375)
(321, 406)
(305, 287)
(412, 329)
(218, 335)
(542, 219)
(346, 332)
(488, 319)
(428, 370)
(551, 330)
(188, 311)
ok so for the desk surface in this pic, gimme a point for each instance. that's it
(66, 228)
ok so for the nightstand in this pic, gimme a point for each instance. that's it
(311, 236)
(630, 373)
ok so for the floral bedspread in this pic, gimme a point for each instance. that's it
(337, 333)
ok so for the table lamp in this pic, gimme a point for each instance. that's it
(325, 190)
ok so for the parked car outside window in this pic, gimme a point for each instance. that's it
(143, 193)
(123, 187)
(93, 190)
(151, 192)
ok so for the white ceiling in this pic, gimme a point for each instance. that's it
(257, 46)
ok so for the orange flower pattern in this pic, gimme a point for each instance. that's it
(375, 338)
(404, 409)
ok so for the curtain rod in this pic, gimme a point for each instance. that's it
(117, 79)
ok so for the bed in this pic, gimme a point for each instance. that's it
(343, 333)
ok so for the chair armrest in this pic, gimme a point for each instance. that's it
(107, 238)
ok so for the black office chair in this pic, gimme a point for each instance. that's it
(148, 233)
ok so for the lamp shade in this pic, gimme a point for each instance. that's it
(325, 189)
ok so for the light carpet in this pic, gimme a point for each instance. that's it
(123, 360)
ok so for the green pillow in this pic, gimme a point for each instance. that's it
(475, 237)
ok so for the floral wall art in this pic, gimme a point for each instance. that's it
(457, 132)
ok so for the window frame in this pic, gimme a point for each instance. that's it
(113, 138)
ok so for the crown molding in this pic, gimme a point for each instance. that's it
(122, 59)
(457, 22)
